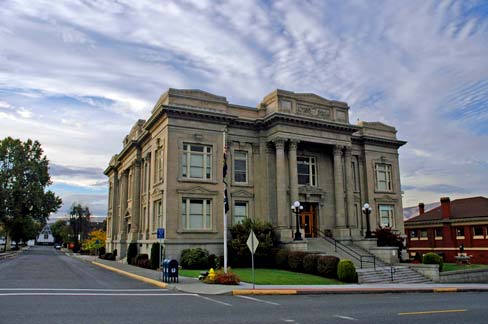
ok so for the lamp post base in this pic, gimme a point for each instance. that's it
(298, 236)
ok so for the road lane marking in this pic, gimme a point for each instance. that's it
(214, 300)
(435, 312)
(78, 289)
(346, 317)
(259, 300)
(88, 294)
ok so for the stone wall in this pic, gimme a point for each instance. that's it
(465, 276)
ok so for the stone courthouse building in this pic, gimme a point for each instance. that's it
(292, 146)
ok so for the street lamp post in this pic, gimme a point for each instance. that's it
(367, 212)
(296, 207)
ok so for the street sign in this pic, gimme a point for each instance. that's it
(160, 233)
(97, 242)
(252, 242)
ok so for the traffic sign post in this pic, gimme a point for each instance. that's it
(252, 244)
(160, 235)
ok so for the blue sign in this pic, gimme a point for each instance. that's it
(160, 233)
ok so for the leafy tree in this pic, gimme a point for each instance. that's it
(80, 224)
(60, 231)
(24, 176)
(239, 254)
(96, 240)
(23, 229)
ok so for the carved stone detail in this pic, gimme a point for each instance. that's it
(313, 111)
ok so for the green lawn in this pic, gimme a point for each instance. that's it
(453, 267)
(272, 277)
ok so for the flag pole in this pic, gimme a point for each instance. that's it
(225, 200)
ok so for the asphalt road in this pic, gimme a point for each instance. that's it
(46, 286)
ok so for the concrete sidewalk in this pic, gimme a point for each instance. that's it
(193, 285)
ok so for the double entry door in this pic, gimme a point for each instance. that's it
(308, 219)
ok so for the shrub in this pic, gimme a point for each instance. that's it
(327, 266)
(432, 258)
(228, 278)
(101, 251)
(310, 263)
(346, 271)
(239, 254)
(194, 258)
(141, 257)
(155, 256)
(386, 237)
(131, 253)
(295, 260)
(281, 259)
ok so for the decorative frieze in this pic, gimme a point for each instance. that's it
(314, 111)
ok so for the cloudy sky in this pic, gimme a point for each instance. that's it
(76, 75)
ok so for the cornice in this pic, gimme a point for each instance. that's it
(378, 141)
(276, 118)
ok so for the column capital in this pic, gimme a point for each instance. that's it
(293, 144)
(347, 151)
(337, 149)
(279, 143)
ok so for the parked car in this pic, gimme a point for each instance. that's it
(57, 246)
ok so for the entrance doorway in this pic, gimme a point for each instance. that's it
(308, 219)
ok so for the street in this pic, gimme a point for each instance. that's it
(46, 286)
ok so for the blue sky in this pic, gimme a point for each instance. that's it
(76, 75)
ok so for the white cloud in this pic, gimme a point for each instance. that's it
(420, 66)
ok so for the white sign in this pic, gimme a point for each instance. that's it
(252, 242)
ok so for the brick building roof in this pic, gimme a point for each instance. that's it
(474, 207)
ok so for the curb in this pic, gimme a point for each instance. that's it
(264, 292)
(352, 291)
(131, 275)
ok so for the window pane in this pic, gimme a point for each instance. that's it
(183, 213)
(478, 231)
(183, 166)
(196, 148)
(438, 232)
(240, 165)
(196, 214)
(240, 212)
(208, 211)
(303, 179)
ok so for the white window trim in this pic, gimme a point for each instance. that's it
(391, 217)
(234, 155)
(206, 205)
(233, 209)
(188, 154)
(312, 162)
(388, 171)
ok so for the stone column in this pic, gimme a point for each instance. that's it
(115, 204)
(281, 202)
(339, 188)
(351, 221)
(123, 203)
(136, 199)
(292, 158)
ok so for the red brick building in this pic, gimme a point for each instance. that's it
(443, 229)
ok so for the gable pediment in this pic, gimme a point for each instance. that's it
(242, 194)
(199, 190)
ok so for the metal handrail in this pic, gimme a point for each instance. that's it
(359, 257)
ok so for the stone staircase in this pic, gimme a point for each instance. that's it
(368, 272)
(350, 251)
(384, 275)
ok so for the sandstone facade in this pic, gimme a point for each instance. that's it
(291, 147)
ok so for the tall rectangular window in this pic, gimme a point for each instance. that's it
(196, 213)
(478, 232)
(307, 171)
(158, 212)
(240, 166)
(355, 176)
(383, 177)
(158, 172)
(386, 215)
(196, 161)
(240, 212)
